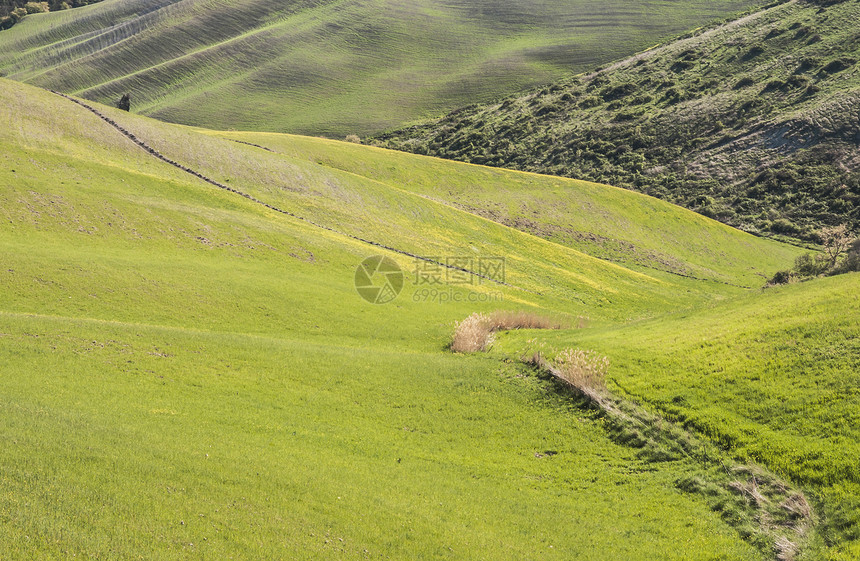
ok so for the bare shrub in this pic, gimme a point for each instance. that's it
(839, 243)
(851, 263)
(473, 334)
(584, 370)
(353, 138)
(836, 241)
(749, 490)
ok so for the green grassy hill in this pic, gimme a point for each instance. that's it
(753, 123)
(334, 67)
(639, 232)
(773, 377)
(191, 374)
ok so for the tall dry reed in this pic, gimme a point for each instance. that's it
(476, 332)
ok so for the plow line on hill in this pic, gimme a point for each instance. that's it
(154, 153)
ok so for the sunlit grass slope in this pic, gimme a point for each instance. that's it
(773, 377)
(639, 232)
(395, 213)
(331, 67)
(188, 374)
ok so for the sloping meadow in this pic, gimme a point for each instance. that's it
(772, 378)
(190, 373)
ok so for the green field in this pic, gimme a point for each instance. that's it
(331, 68)
(773, 377)
(752, 123)
(189, 374)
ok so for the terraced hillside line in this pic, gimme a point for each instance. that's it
(153, 152)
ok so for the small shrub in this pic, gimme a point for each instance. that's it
(624, 117)
(124, 102)
(546, 109)
(774, 85)
(775, 32)
(851, 263)
(589, 101)
(353, 138)
(743, 83)
(617, 92)
(782, 277)
(36, 7)
(753, 52)
(812, 90)
(673, 95)
(838, 65)
(809, 265)
(807, 64)
(783, 226)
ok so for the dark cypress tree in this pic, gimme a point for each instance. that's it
(124, 102)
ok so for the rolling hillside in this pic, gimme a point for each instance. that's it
(190, 373)
(333, 67)
(774, 377)
(753, 123)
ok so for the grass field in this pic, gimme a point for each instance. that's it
(742, 122)
(636, 231)
(330, 68)
(773, 377)
(190, 374)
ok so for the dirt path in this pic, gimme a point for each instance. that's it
(154, 153)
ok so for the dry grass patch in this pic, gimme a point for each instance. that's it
(472, 335)
(477, 332)
(584, 370)
(506, 321)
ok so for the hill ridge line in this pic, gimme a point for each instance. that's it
(153, 152)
